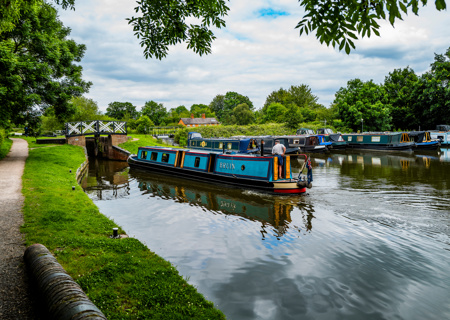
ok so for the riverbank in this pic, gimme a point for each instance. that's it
(121, 276)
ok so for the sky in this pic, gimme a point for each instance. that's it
(258, 52)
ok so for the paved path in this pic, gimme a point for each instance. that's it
(15, 297)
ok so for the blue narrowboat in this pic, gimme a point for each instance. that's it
(250, 171)
(266, 143)
(423, 141)
(381, 141)
(336, 139)
(244, 145)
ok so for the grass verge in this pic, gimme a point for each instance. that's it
(143, 140)
(5, 147)
(122, 277)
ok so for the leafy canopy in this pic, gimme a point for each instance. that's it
(37, 66)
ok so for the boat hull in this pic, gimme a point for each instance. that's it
(285, 186)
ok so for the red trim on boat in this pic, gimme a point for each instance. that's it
(296, 190)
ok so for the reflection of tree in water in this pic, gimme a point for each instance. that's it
(106, 179)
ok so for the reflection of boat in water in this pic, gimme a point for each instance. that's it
(272, 210)
(247, 171)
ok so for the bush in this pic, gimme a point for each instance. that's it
(2, 135)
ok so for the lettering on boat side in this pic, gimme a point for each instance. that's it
(224, 165)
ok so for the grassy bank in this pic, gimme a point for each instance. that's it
(5, 147)
(139, 140)
(122, 277)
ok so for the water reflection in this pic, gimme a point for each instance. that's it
(106, 179)
(273, 211)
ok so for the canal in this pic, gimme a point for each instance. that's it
(370, 240)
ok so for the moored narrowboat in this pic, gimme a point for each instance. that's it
(381, 141)
(336, 139)
(238, 145)
(267, 143)
(249, 171)
(423, 142)
(306, 143)
(442, 133)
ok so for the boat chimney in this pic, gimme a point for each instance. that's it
(261, 147)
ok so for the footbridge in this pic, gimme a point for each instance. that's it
(100, 138)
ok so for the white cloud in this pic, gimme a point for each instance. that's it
(254, 55)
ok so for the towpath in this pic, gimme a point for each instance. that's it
(16, 299)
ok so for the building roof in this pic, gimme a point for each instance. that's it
(187, 121)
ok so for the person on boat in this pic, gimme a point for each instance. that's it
(278, 150)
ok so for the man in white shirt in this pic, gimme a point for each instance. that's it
(278, 150)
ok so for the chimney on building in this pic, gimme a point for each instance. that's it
(203, 115)
(192, 116)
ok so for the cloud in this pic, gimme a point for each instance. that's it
(258, 52)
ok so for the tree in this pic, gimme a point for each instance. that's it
(275, 113)
(199, 109)
(431, 95)
(223, 106)
(363, 100)
(338, 22)
(155, 111)
(242, 115)
(85, 109)
(164, 23)
(399, 86)
(293, 117)
(37, 67)
(143, 124)
(121, 110)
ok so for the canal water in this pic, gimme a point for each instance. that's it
(370, 240)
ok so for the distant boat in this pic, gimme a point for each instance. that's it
(249, 171)
(238, 145)
(305, 143)
(382, 141)
(267, 143)
(423, 141)
(442, 133)
(336, 139)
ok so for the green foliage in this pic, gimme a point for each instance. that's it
(143, 124)
(140, 140)
(223, 105)
(121, 110)
(363, 100)
(339, 23)
(163, 23)
(293, 117)
(122, 277)
(85, 109)
(37, 66)
(275, 113)
(155, 111)
(400, 85)
(431, 95)
(199, 109)
(5, 146)
(242, 115)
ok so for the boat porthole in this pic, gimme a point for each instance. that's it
(243, 168)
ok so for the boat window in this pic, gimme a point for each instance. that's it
(229, 145)
(165, 157)
(295, 141)
(197, 162)
(143, 154)
(220, 145)
(154, 156)
(193, 143)
(243, 168)
(376, 139)
(359, 138)
(349, 138)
